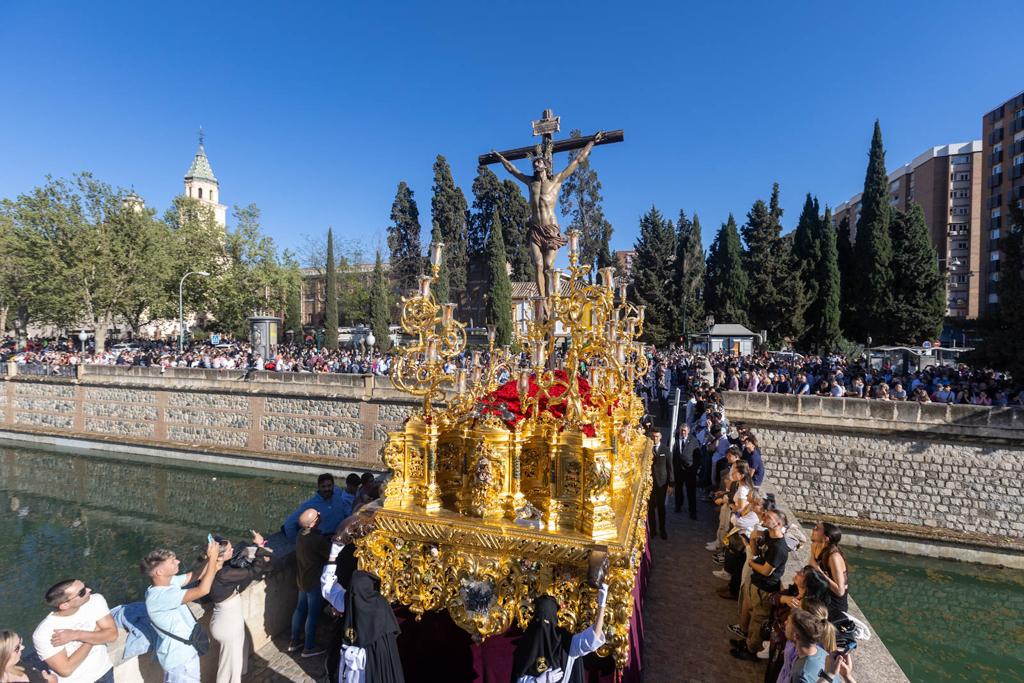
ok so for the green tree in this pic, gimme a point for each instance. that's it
(515, 217)
(293, 305)
(404, 242)
(654, 275)
(197, 243)
(380, 305)
(823, 333)
(448, 212)
(807, 245)
(499, 292)
(762, 234)
(918, 288)
(580, 200)
(725, 294)
(847, 278)
(145, 248)
(873, 253)
(487, 193)
(441, 286)
(331, 295)
(689, 274)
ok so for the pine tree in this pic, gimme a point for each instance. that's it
(823, 333)
(725, 293)
(847, 279)
(404, 241)
(486, 196)
(331, 300)
(515, 216)
(766, 261)
(581, 200)
(441, 286)
(380, 306)
(918, 288)
(448, 212)
(653, 276)
(873, 253)
(499, 292)
(689, 275)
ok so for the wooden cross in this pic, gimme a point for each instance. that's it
(546, 127)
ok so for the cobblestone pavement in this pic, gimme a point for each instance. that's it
(274, 664)
(685, 636)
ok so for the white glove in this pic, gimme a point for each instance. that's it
(602, 595)
(335, 551)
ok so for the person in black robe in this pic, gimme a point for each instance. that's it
(370, 625)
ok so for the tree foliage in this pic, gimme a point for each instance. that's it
(689, 275)
(847, 278)
(380, 305)
(331, 295)
(654, 275)
(499, 292)
(873, 306)
(918, 288)
(580, 200)
(448, 211)
(515, 219)
(404, 241)
(486, 197)
(823, 332)
(726, 287)
(441, 286)
(776, 301)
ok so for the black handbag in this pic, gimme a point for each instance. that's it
(199, 639)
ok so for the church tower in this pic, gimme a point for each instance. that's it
(201, 184)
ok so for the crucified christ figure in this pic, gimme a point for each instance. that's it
(543, 234)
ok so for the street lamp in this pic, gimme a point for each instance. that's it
(371, 340)
(82, 336)
(181, 310)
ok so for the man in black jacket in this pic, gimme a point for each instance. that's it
(684, 463)
(661, 472)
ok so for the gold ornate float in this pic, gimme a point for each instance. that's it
(502, 490)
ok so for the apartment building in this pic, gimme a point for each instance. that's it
(1003, 187)
(946, 181)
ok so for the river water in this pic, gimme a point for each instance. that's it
(92, 516)
(943, 620)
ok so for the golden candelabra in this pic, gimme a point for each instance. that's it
(506, 491)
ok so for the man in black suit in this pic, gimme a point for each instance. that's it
(662, 475)
(685, 455)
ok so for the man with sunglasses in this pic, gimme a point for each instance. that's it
(72, 638)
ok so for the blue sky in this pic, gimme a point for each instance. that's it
(316, 110)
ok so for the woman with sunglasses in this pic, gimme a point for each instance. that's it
(12, 670)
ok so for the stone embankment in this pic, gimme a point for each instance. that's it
(939, 472)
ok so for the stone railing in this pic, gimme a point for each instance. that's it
(938, 472)
(332, 419)
(873, 415)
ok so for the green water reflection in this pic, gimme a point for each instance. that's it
(943, 620)
(93, 517)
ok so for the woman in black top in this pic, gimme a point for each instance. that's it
(828, 557)
(227, 626)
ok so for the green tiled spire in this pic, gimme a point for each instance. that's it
(200, 168)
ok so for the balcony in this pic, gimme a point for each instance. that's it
(995, 180)
(995, 157)
(1018, 170)
(1018, 147)
(994, 201)
(995, 136)
(995, 222)
(1018, 124)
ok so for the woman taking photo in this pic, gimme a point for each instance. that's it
(828, 558)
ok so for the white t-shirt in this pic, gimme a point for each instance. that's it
(97, 662)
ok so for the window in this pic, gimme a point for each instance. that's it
(997, 212)
(961, 176)
(1018, 160)
(1019, 114)
(997, 148)
(994, 256)
(961, 160)
(200, 193)
(960, 245)
(894, 185)
(1018, 136)
(993, 298)
(959, 194)
(960, 211)
(994, 234)
(997, 169)
(993, 276)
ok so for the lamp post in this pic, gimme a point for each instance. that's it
(370, 340)
(82, 336)
(181, 309)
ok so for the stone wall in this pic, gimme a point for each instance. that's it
(949, 473)
(328, 419)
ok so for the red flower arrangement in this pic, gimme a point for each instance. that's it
(504, 401)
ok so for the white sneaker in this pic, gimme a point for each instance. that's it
(713, 546)
(722, 574)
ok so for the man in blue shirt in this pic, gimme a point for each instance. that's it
(167, 605)
(333, 509)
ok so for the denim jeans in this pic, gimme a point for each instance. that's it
(307, 610)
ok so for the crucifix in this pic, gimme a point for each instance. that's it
(543, 235)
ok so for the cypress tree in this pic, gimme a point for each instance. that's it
(380, 306)
(448, 213)
(515, 215)
(331, 300)
(807, 246)
(653, 276)
(293, 307)
(823, 332)
(767, 264)
(404, 241)
(847, 279)
(725, 293)
(918, 288)
(689, 275)
(486, 196)
(499, 292)
(873, 253)
(604, 252)
(441, 286)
